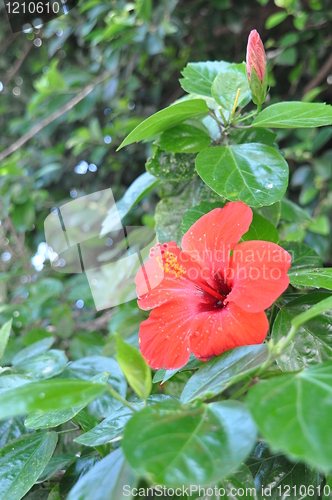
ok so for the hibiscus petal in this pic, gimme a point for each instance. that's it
(217, 331)
(164, 336)
(257, 274)
(169, 274)
(211, 239)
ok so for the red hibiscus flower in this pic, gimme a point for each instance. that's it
(211, 295)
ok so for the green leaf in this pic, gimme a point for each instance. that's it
(10, 381)
(184, 138)
(170, 210)
(226, 84)
(198, 77)
(193, 214)
(312, 343)
(293, 414)
(295, 115)
(263, 135)
(55, 465)
(224, 370)
(22, 461)
(134, 367)
(88, 367)
(136, 191)
(110, 478)
(240, 480)
(321, 225)
(181, 446)
(261, 229)
(39, 347)
(108, 430)
(171, 167)
(291, 212)
(46, 419)
(271, 213)
(47, 395)
(165, 119)
(275, 476)
(275, 19)
(312, 278)
(11, 429)
(24, 216)
(302, 256)
(4, 336)
(78, 469)
(253, 173)
(44, 365)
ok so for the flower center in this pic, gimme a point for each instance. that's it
(168, 262)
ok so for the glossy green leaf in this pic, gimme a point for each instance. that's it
(39, 347)
(312, 343)
(271, 213)
(295, 115)
(276, 476)
(263, 135)
(88, 367)
(136, 191)
(46, 419)
(47, 395)
(44, 365)
(226, 85)
(11, 429)
(293, 414)
(253, 173)
(134, 367)
(110, 479)
(184, 138)
(78, 469)
(22, 461)
(172, 167)
(240, 484)
(261, 229)
(198, 77)
(312, 278)
(224, 370)
(55, 465)
(166, 119)
(108, 430)
(302, 256)
(10, 381)
(182, 446)
(4, 336)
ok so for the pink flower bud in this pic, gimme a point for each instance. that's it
(256, 57)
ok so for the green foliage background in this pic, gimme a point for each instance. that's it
(127, 58)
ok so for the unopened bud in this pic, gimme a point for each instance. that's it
(256, 68)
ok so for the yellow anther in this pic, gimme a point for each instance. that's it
(168, 262)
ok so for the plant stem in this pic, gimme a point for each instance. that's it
(244, 118)
(242, 390)
(117, 396)
(222, 116)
